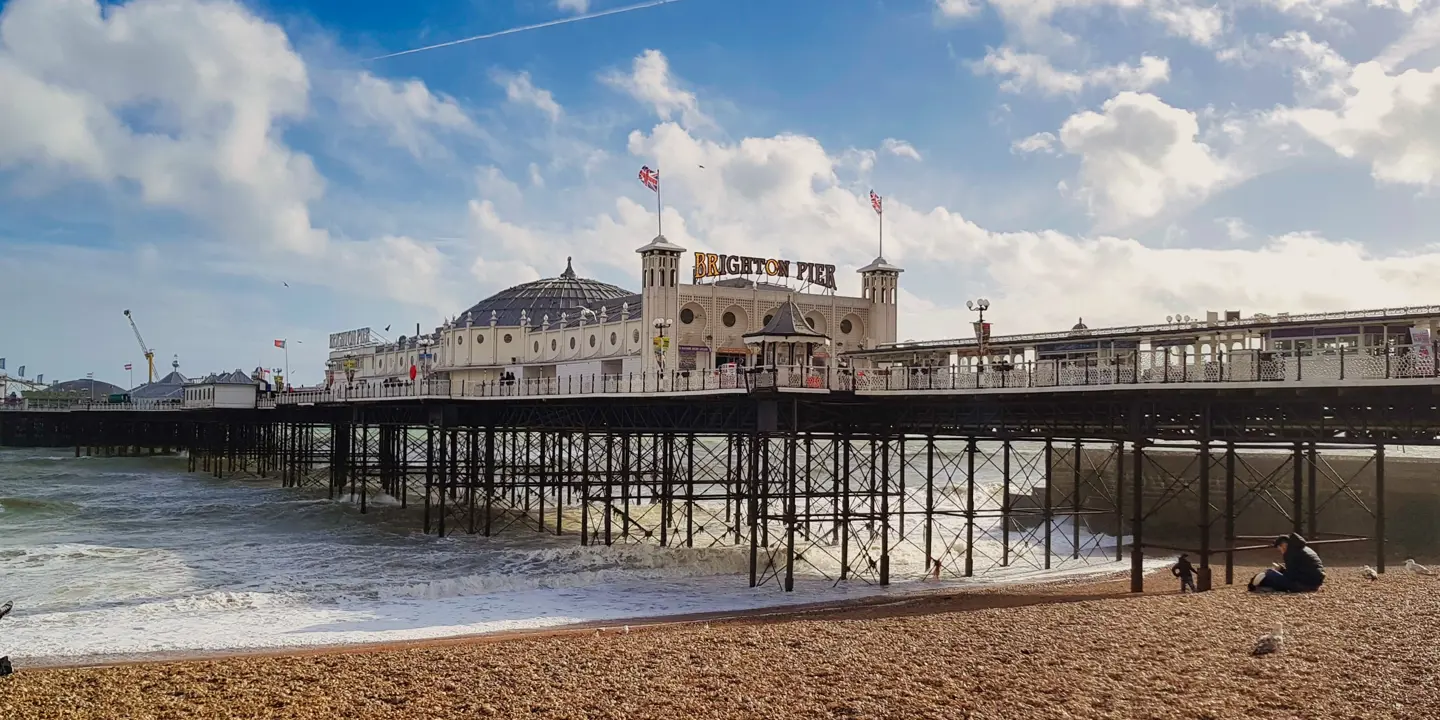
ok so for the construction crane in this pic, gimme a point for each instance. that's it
(149, 354)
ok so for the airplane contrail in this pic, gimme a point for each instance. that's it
(527, 28)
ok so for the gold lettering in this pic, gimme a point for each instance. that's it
(772, 267)
(712, 265)
(699, 265)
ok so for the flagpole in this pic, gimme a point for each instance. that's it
(882, 229)
(659, 205)
(287, 360)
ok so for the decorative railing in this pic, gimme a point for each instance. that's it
(1176, 368)
(679, 381)
(1165, 367)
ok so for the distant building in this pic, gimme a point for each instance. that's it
(569, 325)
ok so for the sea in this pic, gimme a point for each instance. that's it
(111, 559)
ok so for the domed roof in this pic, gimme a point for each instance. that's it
(550, 296)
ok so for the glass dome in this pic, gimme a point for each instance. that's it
(550, 296)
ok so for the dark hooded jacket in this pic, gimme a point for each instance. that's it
(1302, 564)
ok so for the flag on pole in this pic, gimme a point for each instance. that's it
(875, 202)
(279, 343)
(651, 178)
(128, 366)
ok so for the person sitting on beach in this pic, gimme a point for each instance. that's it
(1186, 572)
(1301, 570)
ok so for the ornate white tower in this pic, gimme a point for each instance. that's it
(879, 283)
(660, 300)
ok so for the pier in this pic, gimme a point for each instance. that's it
(854, 475)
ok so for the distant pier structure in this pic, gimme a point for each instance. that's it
(889, 461)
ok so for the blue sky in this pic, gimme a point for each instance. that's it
(1114, 159)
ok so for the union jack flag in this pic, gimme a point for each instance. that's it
(651, 178)
(875, 202)
(128, 366)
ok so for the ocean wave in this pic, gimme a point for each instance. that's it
(36, 506)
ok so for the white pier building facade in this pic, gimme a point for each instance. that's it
(682, 319)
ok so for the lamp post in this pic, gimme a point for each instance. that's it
(980, 306)
(661, 342)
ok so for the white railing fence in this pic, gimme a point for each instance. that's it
(1142, 367)
(1166, 366)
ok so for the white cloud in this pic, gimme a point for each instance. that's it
(1137, 155)
(951, 9)
(521, 91)
(405, 110)
(185, 104)
(900, 148)
(1033, 22)
(1235, 228)
(579, 7)
(1316, 66)
(1389, 121)
(1039, 142)
(1023, 71)
(650, 82)
(214, 81)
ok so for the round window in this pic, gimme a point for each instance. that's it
(537, 346)
(508, 338)
(729, 319)
(479, 339)
(572, 343)
(613, 338)
(636, 336)
(810, 322)
(846, 326)
(554, 343)
(592, 341)
(768, 318)
(460, 340)
(687, 316)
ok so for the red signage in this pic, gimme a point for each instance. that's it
(412, 372)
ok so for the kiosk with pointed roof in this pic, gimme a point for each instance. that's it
(788, 341)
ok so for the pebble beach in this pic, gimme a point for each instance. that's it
(1357, 649)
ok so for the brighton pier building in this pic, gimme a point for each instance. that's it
(683, 318)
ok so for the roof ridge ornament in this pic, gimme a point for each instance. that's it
(569, 273)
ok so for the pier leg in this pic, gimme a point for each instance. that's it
(970, 451)
(1380, 508)
(1048, 512)
(1229, 513)
(1202, 580)
(1137, 553)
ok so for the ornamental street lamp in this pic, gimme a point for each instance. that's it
(662, 343)
(982, 330)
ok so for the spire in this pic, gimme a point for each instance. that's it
(569, 273)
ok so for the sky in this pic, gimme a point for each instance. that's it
(236, 172)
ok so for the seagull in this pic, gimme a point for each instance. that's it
(1370, 574)
(587, 313)
(1417, 568)
(282, 282)
(1270, 642)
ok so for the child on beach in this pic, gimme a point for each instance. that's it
(1186, 572)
